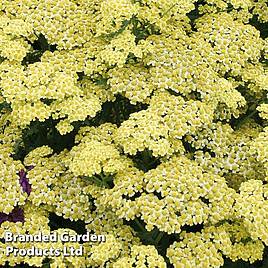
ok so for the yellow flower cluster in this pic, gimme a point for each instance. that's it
(10, 189)
(231, 152)
(231, 53)
(195, 250)
(39, 177)
(255, 77)
(261, 10)
(206, 248)
(188, 197)
(36, 221)
(127, 183)
(117, 51)
(71, 201)
(163, 108)
(171, 196)
(12, 194)
(65, 23)
(162, 125)
(112, 14)
(166, 15)
(102, 253)
(119, 240)
(94, 156)
(241, 10)
(183, 67)
(242, 247)
(55, 188)
(263, 109)
(251, 206)
(259, 149)
(141, 256)
(13, 35)
(132, 81)
(101, 91)
(27, 90)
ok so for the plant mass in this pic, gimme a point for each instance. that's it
(141, 121)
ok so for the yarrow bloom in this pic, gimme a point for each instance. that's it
(141, 120)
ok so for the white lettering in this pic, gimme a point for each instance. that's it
(64, 237)
(9, 250)
(8, 237)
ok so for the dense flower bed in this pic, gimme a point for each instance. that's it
(141, 120)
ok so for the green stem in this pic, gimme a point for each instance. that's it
(146, 157)
(100, 182)
(140, 225)
(105, 180)
(245, 119)
(159, 237)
